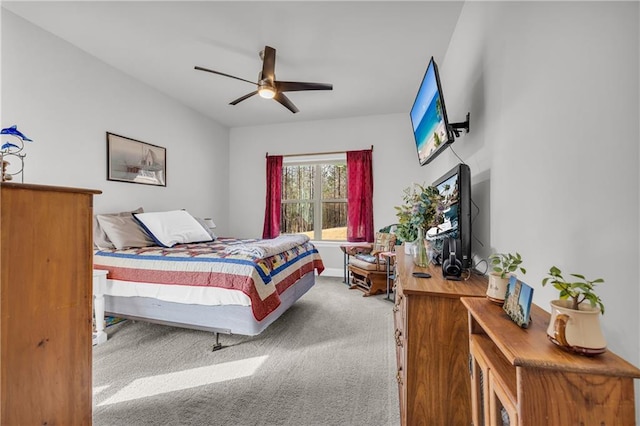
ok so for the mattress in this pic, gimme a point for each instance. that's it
(209, 273)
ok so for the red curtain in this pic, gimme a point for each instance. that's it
(273, 203)
(359, 196)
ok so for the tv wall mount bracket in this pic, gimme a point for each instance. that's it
(456, 127)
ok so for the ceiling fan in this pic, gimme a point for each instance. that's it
(268, 86)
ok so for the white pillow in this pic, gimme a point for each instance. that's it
(173, 227)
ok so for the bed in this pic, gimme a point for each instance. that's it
(231, 286)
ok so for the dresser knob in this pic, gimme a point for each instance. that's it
(396, 307)
(398, 336)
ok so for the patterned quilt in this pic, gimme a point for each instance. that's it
(208, 264)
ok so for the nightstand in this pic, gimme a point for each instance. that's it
(99, 286)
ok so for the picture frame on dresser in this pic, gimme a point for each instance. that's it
(134, 161)
(517, 303)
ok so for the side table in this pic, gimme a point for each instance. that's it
(351, 249)
(390, 257)
(99, 286)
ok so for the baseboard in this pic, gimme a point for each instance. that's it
(332, 272)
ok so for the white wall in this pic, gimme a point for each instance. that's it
(553, 92)
(66, 101)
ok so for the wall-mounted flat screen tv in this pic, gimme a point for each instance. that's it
(431, 129)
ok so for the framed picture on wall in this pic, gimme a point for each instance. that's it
(129, 160)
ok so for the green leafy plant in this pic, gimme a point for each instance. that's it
(421, 209)
(505, 263)
(577, 291)
(406, 232)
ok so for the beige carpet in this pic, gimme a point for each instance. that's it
(329, 360)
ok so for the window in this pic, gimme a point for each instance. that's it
(314, 197)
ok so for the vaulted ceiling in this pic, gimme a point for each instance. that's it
(374, 53)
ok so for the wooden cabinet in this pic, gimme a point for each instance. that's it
(45, 306)
(521, 378)
(432, 348)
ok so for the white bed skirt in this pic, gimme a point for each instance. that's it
(228, 319)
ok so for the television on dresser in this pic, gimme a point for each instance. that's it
(455, 222)
(431, 129)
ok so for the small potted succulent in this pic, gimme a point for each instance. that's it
(575, 316)
(503, 266)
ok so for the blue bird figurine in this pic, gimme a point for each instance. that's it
(9, 145)
(13, 130)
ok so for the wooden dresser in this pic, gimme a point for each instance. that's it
(432, 345)
(520, 378)
(45, 307)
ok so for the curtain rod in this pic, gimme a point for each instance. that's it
(314, 153)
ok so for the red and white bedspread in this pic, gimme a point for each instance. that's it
(203, 273)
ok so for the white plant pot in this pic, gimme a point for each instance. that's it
(497, 287)
(576, 331)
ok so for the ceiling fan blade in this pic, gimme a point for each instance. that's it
(226, 75)
(296, 86)
(269, 63)
(247, 96)
(280, 97)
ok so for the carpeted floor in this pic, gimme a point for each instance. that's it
(329, 360)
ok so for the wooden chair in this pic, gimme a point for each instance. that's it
(368, 271)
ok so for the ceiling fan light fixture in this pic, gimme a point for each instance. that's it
(268, 86)
(266, 92)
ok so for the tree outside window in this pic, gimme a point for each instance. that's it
(314, 199)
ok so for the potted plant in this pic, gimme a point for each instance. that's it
(575, 324)
(503, 266)
(421, 209)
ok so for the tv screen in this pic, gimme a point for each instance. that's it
(429, 117)
(455, 189)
